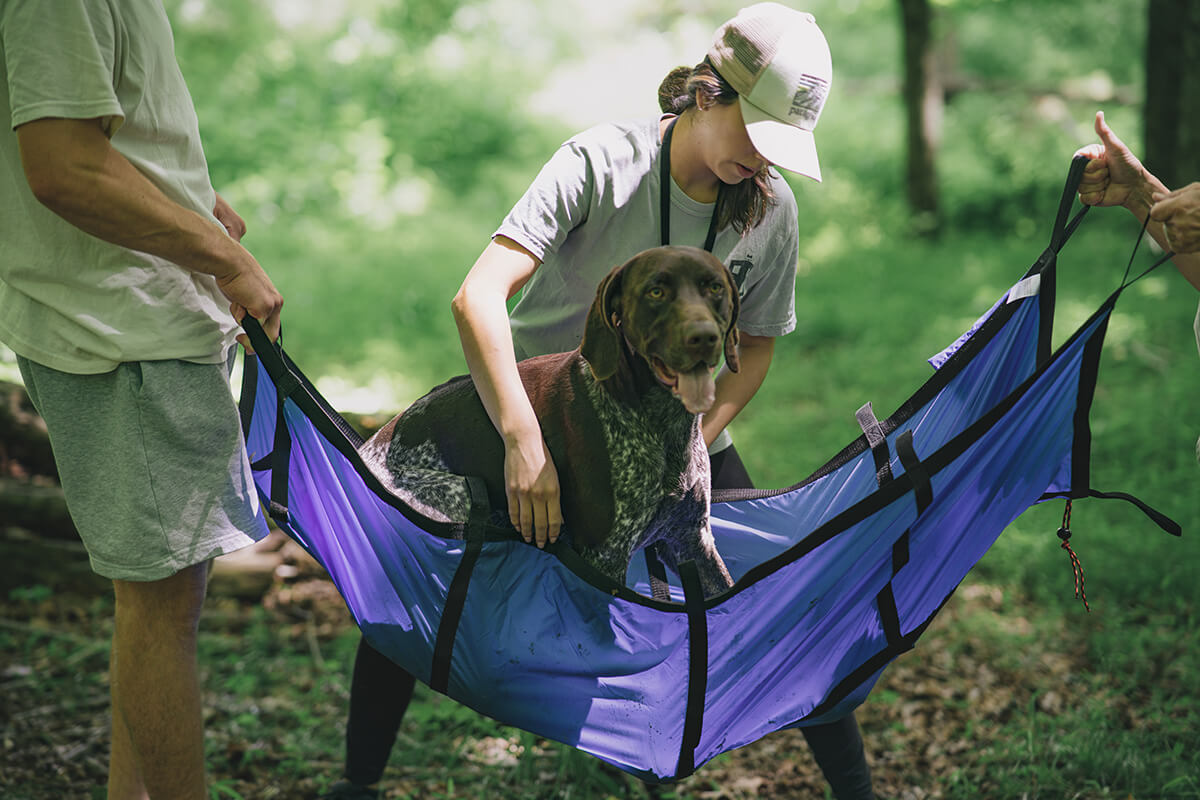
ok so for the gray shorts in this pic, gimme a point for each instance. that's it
(152, 464)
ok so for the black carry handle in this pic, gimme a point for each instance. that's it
(256, 334)
(269, 353)
(1047, 263)
(1062, 228)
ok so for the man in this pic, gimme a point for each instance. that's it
(1115, 176)
(121, 277)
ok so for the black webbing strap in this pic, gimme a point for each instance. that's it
(659, 588)
(280, 459)
(456, 595)
(1160, 519)
(286, 384)
(889, 615)
(876, 441)
(664, 195)
(923, 493)
(249, 390)
(1064, 226)
(693, 724)
(922, 488)
(873, 664)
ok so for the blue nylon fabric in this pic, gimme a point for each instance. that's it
(541, 648)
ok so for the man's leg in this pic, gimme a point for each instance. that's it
(158, 734)
(152, 465)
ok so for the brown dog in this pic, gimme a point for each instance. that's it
(619, 416)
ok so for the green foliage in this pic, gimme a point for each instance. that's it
(374, 146)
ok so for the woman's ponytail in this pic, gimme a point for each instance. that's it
(673, 95)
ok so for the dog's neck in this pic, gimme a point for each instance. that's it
(635, 386)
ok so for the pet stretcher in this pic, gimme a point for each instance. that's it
(835, 576)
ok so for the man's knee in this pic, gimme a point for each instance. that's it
(172, 604)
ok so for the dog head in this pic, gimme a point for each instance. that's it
(677, 307)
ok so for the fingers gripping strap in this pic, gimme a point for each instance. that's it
(456, 595)
(693, 724)
(876, 441)
(285, 382)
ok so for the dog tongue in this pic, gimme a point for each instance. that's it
(696, 389)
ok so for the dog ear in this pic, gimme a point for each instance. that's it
(601, 345)
(731, 333)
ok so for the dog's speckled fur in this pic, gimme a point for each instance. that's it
(633, 468)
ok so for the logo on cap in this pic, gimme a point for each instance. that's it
(809, 99)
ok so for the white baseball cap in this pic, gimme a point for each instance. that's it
(778, 61)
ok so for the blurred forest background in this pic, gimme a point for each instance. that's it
(374, 145)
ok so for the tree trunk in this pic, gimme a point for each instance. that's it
(1172, 117)
(923, 103)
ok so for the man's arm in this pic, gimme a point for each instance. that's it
(75, 171)
(1115, 176)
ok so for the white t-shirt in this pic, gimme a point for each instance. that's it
(595, 205)
(68, 300)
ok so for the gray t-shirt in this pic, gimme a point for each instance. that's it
(595, 204)
(71, 301)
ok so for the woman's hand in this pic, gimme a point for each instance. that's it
(531, 486)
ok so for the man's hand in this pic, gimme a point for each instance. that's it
(1114, 176)
(235, 226)
(1179, 212)
(74, 170)
(251, 291)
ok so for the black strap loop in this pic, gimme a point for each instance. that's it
(659, 588)
(456, 595)
(876, 441)
(1160, 519)
(280, 460)
(693, 725)
(1062, 229)
(922, 488)
(1046, 265)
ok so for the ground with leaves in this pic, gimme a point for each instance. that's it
(989, 686)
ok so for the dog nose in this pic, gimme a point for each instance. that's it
(701, 336)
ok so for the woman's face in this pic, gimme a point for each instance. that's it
(727, 148)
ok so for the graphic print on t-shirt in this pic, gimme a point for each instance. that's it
(740, 267)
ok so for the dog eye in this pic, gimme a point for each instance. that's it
(716, 288)
(655, 293)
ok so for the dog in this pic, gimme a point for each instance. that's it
(620, 417)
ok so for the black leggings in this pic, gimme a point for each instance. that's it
(380, 691)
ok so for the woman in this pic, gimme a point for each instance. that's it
(698, 175)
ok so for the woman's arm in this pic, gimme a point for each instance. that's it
(480, 311)
(734, 389)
